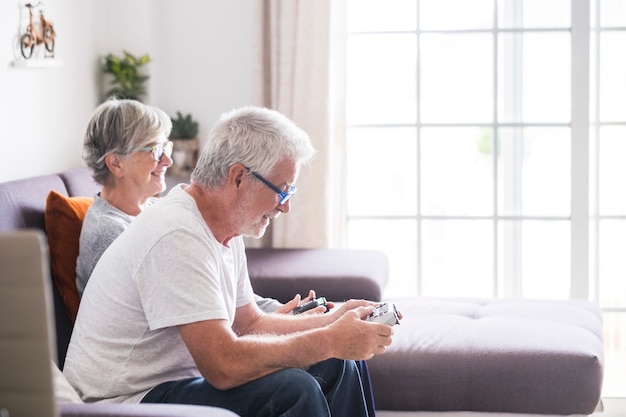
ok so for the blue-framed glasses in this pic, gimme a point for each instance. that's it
(159, 149)
(284, 196)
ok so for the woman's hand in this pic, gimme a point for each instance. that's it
(298, 301)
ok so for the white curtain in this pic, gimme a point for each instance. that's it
(298, 61)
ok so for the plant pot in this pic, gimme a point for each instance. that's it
(185, 156)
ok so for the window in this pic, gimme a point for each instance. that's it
(485, 156)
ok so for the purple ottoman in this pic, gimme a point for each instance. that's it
(514, 356)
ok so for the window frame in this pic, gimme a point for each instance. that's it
(584, 218)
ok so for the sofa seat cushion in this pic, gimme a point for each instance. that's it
(337, 274)
(64, 392)
(515, 356)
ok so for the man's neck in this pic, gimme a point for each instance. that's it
(214, 210)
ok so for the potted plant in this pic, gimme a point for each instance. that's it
(184, 135)
(184, 127)
(128, 82)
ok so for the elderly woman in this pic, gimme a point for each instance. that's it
(127, 148)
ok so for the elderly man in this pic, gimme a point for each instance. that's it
(169, 312)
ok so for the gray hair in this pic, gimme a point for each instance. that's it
(256, 137)
(121, 126)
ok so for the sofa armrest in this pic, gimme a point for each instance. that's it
(141, 410)
(337, 274)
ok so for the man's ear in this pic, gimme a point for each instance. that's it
(114, 162)
(236, 173)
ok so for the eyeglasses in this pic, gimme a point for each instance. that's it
(159, 149)
(284, 196)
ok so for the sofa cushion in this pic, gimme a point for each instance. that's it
(23, 202)
(79, 182)
(63, 391)
(492, 355)
(64, 218)
(25, 336)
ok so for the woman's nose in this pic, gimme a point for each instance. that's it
(166, 160)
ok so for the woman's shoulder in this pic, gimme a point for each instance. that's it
(101, 211)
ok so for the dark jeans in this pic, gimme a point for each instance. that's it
(329, 388)
(367, 387)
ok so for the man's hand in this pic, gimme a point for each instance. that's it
(357, 339)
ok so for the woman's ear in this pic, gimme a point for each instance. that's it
(114, 162)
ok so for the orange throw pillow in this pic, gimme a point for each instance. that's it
(64, 220)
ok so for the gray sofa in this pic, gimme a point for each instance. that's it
(448, 355)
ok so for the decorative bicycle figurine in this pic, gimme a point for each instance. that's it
(37, 34)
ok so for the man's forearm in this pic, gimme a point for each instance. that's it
(286, 324)
(254, 356)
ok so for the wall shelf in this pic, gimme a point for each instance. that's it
(38, 63)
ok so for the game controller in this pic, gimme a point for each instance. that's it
(385, 314)
(316, 302)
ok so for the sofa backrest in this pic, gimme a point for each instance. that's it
(23, 202)
(79, 182)
(23, 206)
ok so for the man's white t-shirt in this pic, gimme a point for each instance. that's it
(165, 270)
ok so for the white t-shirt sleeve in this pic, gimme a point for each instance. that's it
(205, 282)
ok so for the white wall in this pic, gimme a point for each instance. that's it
(202, 54)
(203, 57)
(42, 111)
